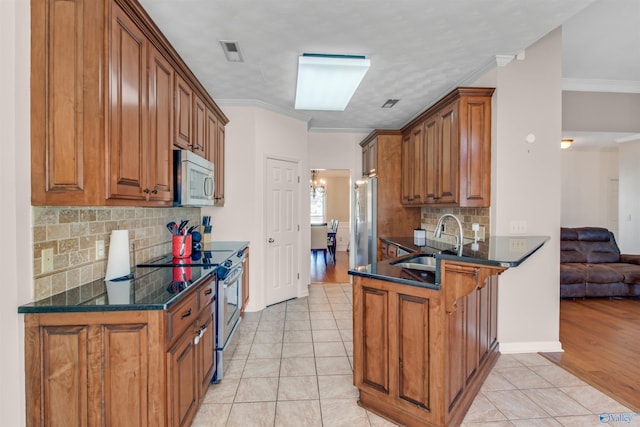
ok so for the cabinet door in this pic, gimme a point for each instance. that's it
(199, 126)
(206, 348)
(182, 381)
(211, 136)
(418, 160)
(218, 161)
(126, 176)
(160, 144)
(475, 151)
(448, 154)
(370, 159)
(66, 103)
(407, 170)
(183, 114)
(83, 373)
(431, 159)
(371, 349)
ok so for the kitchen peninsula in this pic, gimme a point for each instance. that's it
(425, 339)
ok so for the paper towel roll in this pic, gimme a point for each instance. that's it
(118, 263)
(119, 292)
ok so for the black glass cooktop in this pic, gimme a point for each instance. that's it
(207, 258)
(211, 255)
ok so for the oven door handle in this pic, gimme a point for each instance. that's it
(232, 277)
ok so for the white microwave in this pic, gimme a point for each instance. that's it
(193, 179)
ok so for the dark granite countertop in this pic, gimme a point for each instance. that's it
(501, 251)
(152, 288)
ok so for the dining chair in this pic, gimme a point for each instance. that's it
(319, 233)
(332, 239)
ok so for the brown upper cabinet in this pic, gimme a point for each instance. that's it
(214, 151)
(370, 158)
(413, 166)
(446, 157)
(184, 115)
(110, 101)
(384, 152)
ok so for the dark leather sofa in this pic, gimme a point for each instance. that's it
(591, 265)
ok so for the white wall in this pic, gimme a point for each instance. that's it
(629, 193)
(586, 185)
(15, 252)
(525, 186)
(251, 135)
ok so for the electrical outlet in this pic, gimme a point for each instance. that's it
(518, 227)
(99, 249)
(47, 260)
(481, 233)
(517, 245)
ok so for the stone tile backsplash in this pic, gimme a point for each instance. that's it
(430, 216)
(72, 233)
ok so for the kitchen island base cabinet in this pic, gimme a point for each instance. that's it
(420, 354)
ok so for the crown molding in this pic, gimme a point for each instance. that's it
(601, 85)
(365, 131)
(634, 137)
(264, 105)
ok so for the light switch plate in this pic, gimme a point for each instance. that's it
(99, 249)
(518, 227)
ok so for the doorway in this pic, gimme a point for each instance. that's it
(330, 198)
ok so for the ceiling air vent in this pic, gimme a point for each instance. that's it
(231, 50)
(389, 103)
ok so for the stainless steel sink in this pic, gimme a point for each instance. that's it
(424, 262)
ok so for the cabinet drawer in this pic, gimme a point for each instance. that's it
(207, 293)
(181, 316)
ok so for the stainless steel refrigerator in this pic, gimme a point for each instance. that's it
(365, 232)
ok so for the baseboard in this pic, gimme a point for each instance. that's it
(531, 347)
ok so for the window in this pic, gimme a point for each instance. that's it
(318, 207)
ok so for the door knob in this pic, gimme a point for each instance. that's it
(270, 240)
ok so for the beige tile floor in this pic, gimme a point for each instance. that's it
(293, 365)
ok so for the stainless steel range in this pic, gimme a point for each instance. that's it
(229, 304)
(227, 260)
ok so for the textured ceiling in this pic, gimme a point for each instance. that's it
(419, 49)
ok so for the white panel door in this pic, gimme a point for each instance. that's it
(281, 188)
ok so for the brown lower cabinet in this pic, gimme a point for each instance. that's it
(121, 368)
(420, 354)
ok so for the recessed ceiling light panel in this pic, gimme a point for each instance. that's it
(231, 50)
(327, 82)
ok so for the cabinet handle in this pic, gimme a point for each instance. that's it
(186, 314)
(208, 291)
(155, 191)
(146, 191)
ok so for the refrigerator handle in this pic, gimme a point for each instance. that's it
(357, 217)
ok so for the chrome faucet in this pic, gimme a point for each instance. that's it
(438, 231)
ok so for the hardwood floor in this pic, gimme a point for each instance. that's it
(331, 273)
(601, 342)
